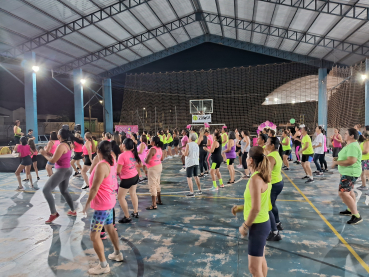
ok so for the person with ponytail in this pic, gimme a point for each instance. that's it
(286, 147)
(129, 178)
(276, 163)
(77, 155)
(142, 153)
(107, 137)
(63, 171)
(184, 142)
(256, 210)
(50, 148)
(25, 153)
(89, 152)
(103, 183)
(154, 168)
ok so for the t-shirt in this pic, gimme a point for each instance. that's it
(309, 150)
(184, 141)
(29, 136)
(24, 150)
(351, 150)
(210, 138)
(319, 139)
(193, 155)
(128, 162)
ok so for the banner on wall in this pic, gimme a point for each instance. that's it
(206, 118)
(128, 129)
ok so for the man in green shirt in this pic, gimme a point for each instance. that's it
(307, 152)
(349, 166)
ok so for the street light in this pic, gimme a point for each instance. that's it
(100, 101)
(83, 81)
(35, 68)
(363, 77)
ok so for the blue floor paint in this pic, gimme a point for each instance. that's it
(185, 236)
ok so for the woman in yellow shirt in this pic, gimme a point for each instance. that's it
(307, 152)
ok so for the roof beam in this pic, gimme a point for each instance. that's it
(299, 36)
(198, 9)
(329, 7)
(219, 40)
(126, 44)
(218, 10)
(74, 26)
(176, 14)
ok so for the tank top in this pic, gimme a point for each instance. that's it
(165, 141)
(144, 153)
(364, 157)
(161, 138)
(55, 145)
(170, 138)
(24, 150)
(193, 155)
(18, 131)
(210, 138)
(105, 197)
(224, 136)
(156, 159)
(285, 147)
(336, 143)
(85, 151)
(35, 153)
(276, 171)
(64, 160)
(203, 143)
(216, 156)
(231, 154)
(77, 147)
(263, 214)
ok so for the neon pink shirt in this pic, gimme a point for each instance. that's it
(77, 147)
(336, 143)
(143, 154)
(84, 149)
(184, 141)
(24, 150)
(34, 154)
(64, 160)
(210, 138)
(128, 162)
(105, 197)
(156, 159)
(53, 148)
(325, 143)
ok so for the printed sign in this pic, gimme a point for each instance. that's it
(201, 118)
(128, 129)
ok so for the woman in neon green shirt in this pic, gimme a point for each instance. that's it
(364, 145)
(286, 147)
(224, 141)
(349, 166)
(256, 210)
(169, 139)
(276, 163)
(307, 152)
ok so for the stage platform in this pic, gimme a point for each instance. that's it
(9, 163)
(186, 236)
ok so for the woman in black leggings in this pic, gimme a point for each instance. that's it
(202, 141)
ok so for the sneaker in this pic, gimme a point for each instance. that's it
(309, 181)
(140, 181)
(239, 166)
(170, 157)
(355, 220)
(125, 220)
(190, 195)
(362, 188)
(70, 213)
(306, 177)
(117, 258)
(214, 188)
(20, 188)
(52, 218)
(206, 173)
(274, 237)
(25, 180)
(319, 174)
(76, 173)
(346, 212)
(183, 169)
(221, 186)
(144, 178)
(325, 170)
(199, 192)
(279, 226)
(286, 168)
(134, 215)
(98, 270)
(38, 178)
(295, 162)
(316, 172)
(84, 187)
(103, 235)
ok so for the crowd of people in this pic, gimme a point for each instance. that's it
(114, 164)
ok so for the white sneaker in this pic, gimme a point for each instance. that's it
(117, 258)
(239, 166)
(97, 270)
(170, 157)
(183, 169)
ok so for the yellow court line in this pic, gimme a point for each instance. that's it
(348, 246)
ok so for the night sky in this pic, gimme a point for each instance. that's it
(54, 99)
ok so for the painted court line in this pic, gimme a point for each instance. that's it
(348, 246)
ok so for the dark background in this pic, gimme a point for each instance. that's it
(54, 99)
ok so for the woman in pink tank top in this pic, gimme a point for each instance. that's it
(50, 149)
(102, 199)
(77, 157)
(89, 153)
(154, 169)
(336, 140)
(142, 153)
(25, 153)
(63, 171)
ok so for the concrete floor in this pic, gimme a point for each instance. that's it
(186, 236)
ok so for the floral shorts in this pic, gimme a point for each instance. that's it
(347, 183)
(365, 165)
(101, 218)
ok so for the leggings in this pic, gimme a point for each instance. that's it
(244, 157)
(323, 162)
(335, 151)
(297, 148)
(59, 178)
(273, 214)
(202, 161)
(208, 160)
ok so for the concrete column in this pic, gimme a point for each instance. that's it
(78, 100)
(322, 98)
(30, 94)
(108, 106)
(367, 92)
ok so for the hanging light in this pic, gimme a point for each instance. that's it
(35, 68)
(83, 81)
(363, 77)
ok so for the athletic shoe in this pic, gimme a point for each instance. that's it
(355, 220)
(38, 178)
(199, 192)
(306, 177)
(183, 169)
(274, 237)
(346, 212)
(286, 168)
(298, 162)
(117, 258)
(144, 178)
(316, 172)
(76, 173)
(125, 220)
(20, 188)
(221, 186)
(319, 174)
(214, 188)
(309, 181)
(52, 218)
(141, 181)
(98, 270)
(170, 157)
(84, 187)
(190, 195)
(103, 235)
(70, 213)
(362, 188)
(134, 215)
(26, 180)
(239, 166)
(279, 226)
(206, 173)
(325, 170)
(295, 162)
